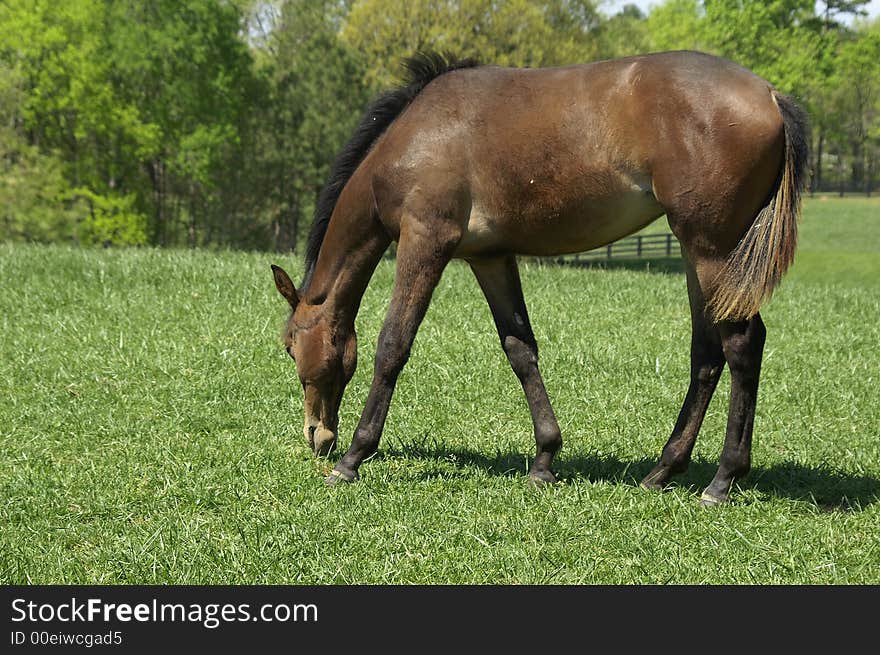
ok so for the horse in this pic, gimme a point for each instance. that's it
(484, 163)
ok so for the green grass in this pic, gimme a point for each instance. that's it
(840, 242)
(151, 429)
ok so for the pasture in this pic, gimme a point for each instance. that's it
(151, 428)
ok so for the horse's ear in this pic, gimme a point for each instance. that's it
(285, 286)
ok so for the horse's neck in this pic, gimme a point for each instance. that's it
(352, 247)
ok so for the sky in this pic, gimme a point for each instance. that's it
(612, 6)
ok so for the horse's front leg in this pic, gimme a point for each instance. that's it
(499, 279)
(422, 255)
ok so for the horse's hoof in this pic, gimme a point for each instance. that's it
(657, 479)
(708, 500)
(652, 482)
(541, 478)
(340, 477)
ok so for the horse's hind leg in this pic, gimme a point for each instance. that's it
(707, 362)
(743, 343)
(499, 280)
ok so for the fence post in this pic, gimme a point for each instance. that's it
(669, 245)
(639, 246)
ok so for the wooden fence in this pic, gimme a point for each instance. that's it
(639, 246)
(654, 246)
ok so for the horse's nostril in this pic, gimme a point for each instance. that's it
(312, 436)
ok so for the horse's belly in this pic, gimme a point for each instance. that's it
(582, 225)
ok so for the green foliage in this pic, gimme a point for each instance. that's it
(185, 67)
(625, 33)
(675, 25)
(857, 107)
(763, 36)
(34, 202)
(318, 92)
(33, 190)
(111, 220)
(144, 104)
(214, 121)
(505, 32)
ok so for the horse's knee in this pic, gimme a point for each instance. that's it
(391, 357)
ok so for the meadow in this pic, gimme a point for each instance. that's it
(151, 428)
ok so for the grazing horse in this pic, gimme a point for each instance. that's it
(483, 163)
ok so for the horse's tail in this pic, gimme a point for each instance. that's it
(756, 266)
(420, 69)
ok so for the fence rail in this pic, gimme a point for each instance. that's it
(637, 247)
(642, 245)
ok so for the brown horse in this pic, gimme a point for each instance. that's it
(483, 163)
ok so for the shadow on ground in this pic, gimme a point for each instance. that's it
(825, 488)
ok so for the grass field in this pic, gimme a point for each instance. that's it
(150, 429)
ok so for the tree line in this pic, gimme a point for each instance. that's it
(213, 122)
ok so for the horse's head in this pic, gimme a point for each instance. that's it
(325, 355)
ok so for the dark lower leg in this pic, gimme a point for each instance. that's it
(499, 280)
(419, 267)
(743, 348)
(676, 454)
(707, 362)
(366, 437)
(523, 358)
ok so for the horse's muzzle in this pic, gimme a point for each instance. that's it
(321, 420)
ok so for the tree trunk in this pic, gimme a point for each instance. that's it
(157, 179)
(857, 172)
(286, 226)
(191, 236)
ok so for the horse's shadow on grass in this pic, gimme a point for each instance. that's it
(827, 489)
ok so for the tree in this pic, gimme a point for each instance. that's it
(318, 92)
(503, 32)
(67, 112)
(835, 8)
(676, 25)
(856, 128)
(183, 65)
(147, 105)
(625, 33)
(35, 203)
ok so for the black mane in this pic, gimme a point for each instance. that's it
(421, 69)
